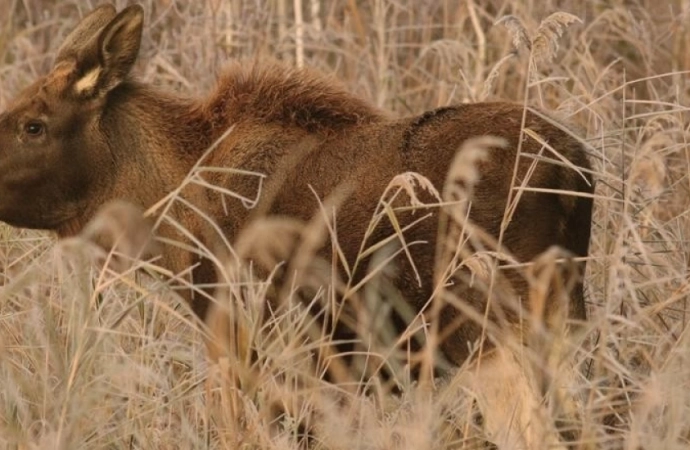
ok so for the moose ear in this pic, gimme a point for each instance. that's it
(119, 44)
(116, 47)
(85, 33)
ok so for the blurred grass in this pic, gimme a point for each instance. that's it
(91, 360)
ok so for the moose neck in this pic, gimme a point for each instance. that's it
(156, 139)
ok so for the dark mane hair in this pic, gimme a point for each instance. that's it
(275, 92)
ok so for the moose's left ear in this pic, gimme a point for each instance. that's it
(117, 51)
(119, 45)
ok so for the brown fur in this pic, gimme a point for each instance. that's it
(109, 137)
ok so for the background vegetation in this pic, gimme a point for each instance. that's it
(91, 359)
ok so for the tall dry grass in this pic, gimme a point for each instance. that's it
(92, 358)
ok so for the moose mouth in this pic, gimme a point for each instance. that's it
(29, 196)
(19, 208)
(22, 177)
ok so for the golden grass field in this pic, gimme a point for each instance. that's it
(92, 358)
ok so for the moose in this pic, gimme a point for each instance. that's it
(88, 133)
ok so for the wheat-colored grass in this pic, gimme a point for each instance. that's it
(93, 358)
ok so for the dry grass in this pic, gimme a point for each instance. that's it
(91, 358)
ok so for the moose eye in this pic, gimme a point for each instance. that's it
(34, 128)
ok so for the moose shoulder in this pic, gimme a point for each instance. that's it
(88, 133)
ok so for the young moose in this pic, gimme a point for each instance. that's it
(88, 133)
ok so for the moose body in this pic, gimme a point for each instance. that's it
(87, 133)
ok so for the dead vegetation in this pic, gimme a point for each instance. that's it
(94, 358)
